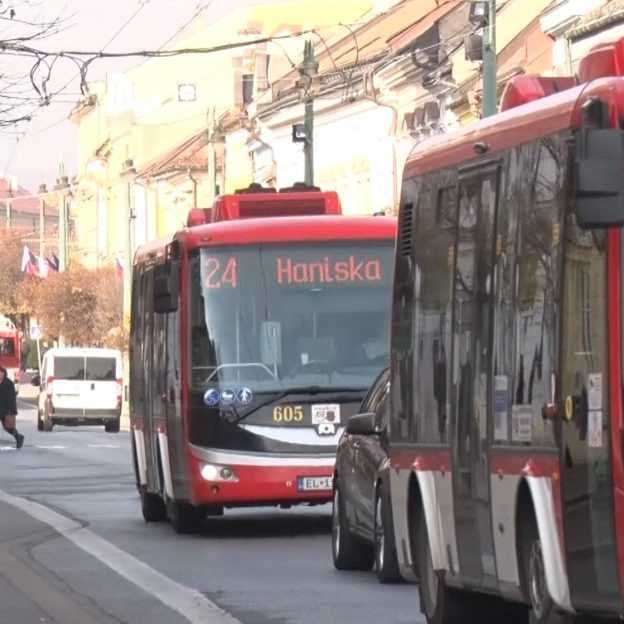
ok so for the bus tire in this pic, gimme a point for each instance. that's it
(112, 426)
(152, 507)
(184, 517)
(440, 604)
(542, 609)
(348, 553)
(386, 560)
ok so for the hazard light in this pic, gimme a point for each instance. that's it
(198, 216)
(527, 88)
(606, 59)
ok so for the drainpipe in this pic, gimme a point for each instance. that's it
(369, 79)
(194, 181)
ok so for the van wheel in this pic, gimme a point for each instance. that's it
(112, 426)
(348, 553)
(184, 517)
(440, 604)
(542, 609)
(47, 424)
(386, 561)
(152, 507)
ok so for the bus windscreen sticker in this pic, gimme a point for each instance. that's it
(594, 391)
(522, 423)
(501, 401)
(594, 429)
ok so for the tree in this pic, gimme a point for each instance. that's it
(84, 306)
(11, 243)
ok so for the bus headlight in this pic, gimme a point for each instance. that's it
(213, 472)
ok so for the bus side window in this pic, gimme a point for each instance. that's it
(528, 262)
(434, 235)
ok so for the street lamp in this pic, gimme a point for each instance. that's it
(128, 174)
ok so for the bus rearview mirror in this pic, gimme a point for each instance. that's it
(599, 169)
(166, 287)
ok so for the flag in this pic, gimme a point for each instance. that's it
(53, 262)
(42, 265)
(29, 261)
(119, 269)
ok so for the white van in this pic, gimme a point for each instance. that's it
(80, 386)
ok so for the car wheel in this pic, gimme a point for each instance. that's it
(112, 426)
(386, 560)
(184, 517)
(39, 422)
(348, 552)
(152, 507)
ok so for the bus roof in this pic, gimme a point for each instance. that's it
(515, 126)
(275, 230)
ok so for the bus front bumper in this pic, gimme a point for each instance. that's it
(233, 479)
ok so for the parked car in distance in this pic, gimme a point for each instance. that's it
(362, 530)
(79, 386)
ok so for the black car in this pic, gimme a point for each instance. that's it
(362, 531)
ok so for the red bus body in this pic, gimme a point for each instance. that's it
(10, 348)
(191, 452)
(513, 437)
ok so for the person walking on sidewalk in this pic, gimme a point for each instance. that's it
(8, 407)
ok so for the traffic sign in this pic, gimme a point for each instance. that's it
(35, 332)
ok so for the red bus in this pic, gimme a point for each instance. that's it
(10, 348)
(506, 443)
(254, 337)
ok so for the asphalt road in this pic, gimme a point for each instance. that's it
(74, 550)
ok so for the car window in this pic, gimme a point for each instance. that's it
(381, 413)
(72, 368)
(101, 369)
(376, 393)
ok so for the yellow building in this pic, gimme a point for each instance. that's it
(151, 140)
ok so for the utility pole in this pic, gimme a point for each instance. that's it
(63, 188)
(490, 106)
(308, 71)
(128, 174)
(41, 227)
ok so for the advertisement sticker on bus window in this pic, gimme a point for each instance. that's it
(326, 418)
(522, 423)
(594, 391)
(501, 402)
(594, 429)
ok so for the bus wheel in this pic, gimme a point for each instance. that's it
(440, 604)
(47, 424)
(348, 553)
(386, 563)
(542, 609)
(152, 506)
(184, 517)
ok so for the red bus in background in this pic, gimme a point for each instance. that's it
(255, 334)
(506, 423)
(10, 348)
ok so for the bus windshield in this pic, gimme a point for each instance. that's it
(274, 317)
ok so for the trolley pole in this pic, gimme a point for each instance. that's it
(489, 61)
(308, 71)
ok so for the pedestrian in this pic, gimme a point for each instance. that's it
(8, 407)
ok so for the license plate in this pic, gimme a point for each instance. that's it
(314, 484)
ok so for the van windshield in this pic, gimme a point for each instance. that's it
(81, 369)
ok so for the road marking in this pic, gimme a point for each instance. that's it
(54, 447)
(189, 603)
(104, 446)
(7, 448)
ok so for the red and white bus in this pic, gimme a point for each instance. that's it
(10, 348)
(254, 337)
(506, 426)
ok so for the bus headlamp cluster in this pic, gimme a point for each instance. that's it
(213, 472)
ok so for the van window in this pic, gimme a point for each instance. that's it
(7, 347)
(69, 368)
(101, 369)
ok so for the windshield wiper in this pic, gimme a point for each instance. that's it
(312, 389)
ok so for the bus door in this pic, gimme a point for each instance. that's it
(587, 479)
(471, 408)
(149, 382)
